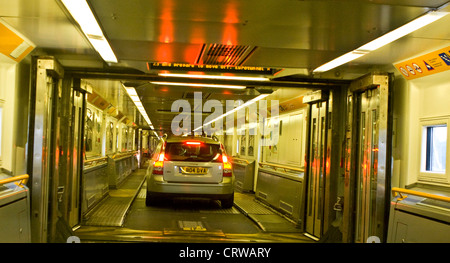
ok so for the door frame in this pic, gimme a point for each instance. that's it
(381, 81)
(41, 144)
(319, 96)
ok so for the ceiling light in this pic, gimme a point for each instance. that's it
(198, 85)
(137, 102)
(199, 76)
(340, 61)
(385, 39)
(404, 30)
(82, 13)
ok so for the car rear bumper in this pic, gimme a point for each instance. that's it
(162, 188)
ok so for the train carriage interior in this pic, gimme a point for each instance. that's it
(329, 120)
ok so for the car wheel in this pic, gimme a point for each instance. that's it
(150, 200)
(228, 202)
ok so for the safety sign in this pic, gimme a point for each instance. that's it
(425, 65)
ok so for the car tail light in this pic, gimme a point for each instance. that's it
(193, 143)
(227, 169)
(158, 166)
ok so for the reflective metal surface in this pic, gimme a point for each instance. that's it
(287, 34)
(416, 219)
(318, 162)
(40, 147)
(76, 159)
(14, 210)
(367, 158)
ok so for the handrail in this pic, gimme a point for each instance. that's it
(121, 155)
(96, 159)
(240, 159)
(283, 167)
(400, 191)
(22, 178)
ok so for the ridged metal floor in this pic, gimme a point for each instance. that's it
(123, 217)
(112, 211)
(265, 218)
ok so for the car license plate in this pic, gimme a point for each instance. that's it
(194, 170)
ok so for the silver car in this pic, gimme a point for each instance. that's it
(190, 167)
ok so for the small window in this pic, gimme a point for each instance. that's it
(436, 147)
(434, 150)
(197, 152)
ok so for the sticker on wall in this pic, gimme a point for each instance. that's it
(13, 44)
(417, 68)
(411, 70)
(428, 66)
(434, 62)
(445, 58)
(404, 71)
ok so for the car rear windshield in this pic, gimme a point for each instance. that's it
(198, 152)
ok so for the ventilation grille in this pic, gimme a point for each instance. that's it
(230, 55)
(286, 207)
(262, 195)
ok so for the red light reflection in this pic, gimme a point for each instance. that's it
(231, 19)
(164, 53)
(166, 29)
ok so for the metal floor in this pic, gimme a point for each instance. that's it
(112, 210)
(263, 216)
(123, 217)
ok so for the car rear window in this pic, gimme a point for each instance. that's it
(198, 152)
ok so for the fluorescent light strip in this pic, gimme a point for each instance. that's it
(340, 61)
(262, 96)
(199, 76)
(198, 85)
(385, 39)
(82, 13)
(135, 98)
(404, 30)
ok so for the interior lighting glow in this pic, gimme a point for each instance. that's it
(385, 39)
(137, 102)
(224, 158)
(198, 85)
(404, 30)
(260, 97)
(340, 61)
(193, 143)
(198, 76)
(82, 13)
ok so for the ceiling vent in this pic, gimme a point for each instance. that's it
(230, 55)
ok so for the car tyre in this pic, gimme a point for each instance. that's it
(227, 202)
(150, 200)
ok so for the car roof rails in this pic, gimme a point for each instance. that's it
(165, 136)
(214, 137)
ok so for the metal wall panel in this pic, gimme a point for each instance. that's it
(283, 191)
(40, 140)
(317, 162)
(367, 159)
(95, 186)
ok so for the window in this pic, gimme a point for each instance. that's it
(434, 150)
(193, 152)
(436, 142)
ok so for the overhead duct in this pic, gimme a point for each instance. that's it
(219, 54)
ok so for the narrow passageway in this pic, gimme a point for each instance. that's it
(124, 217)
